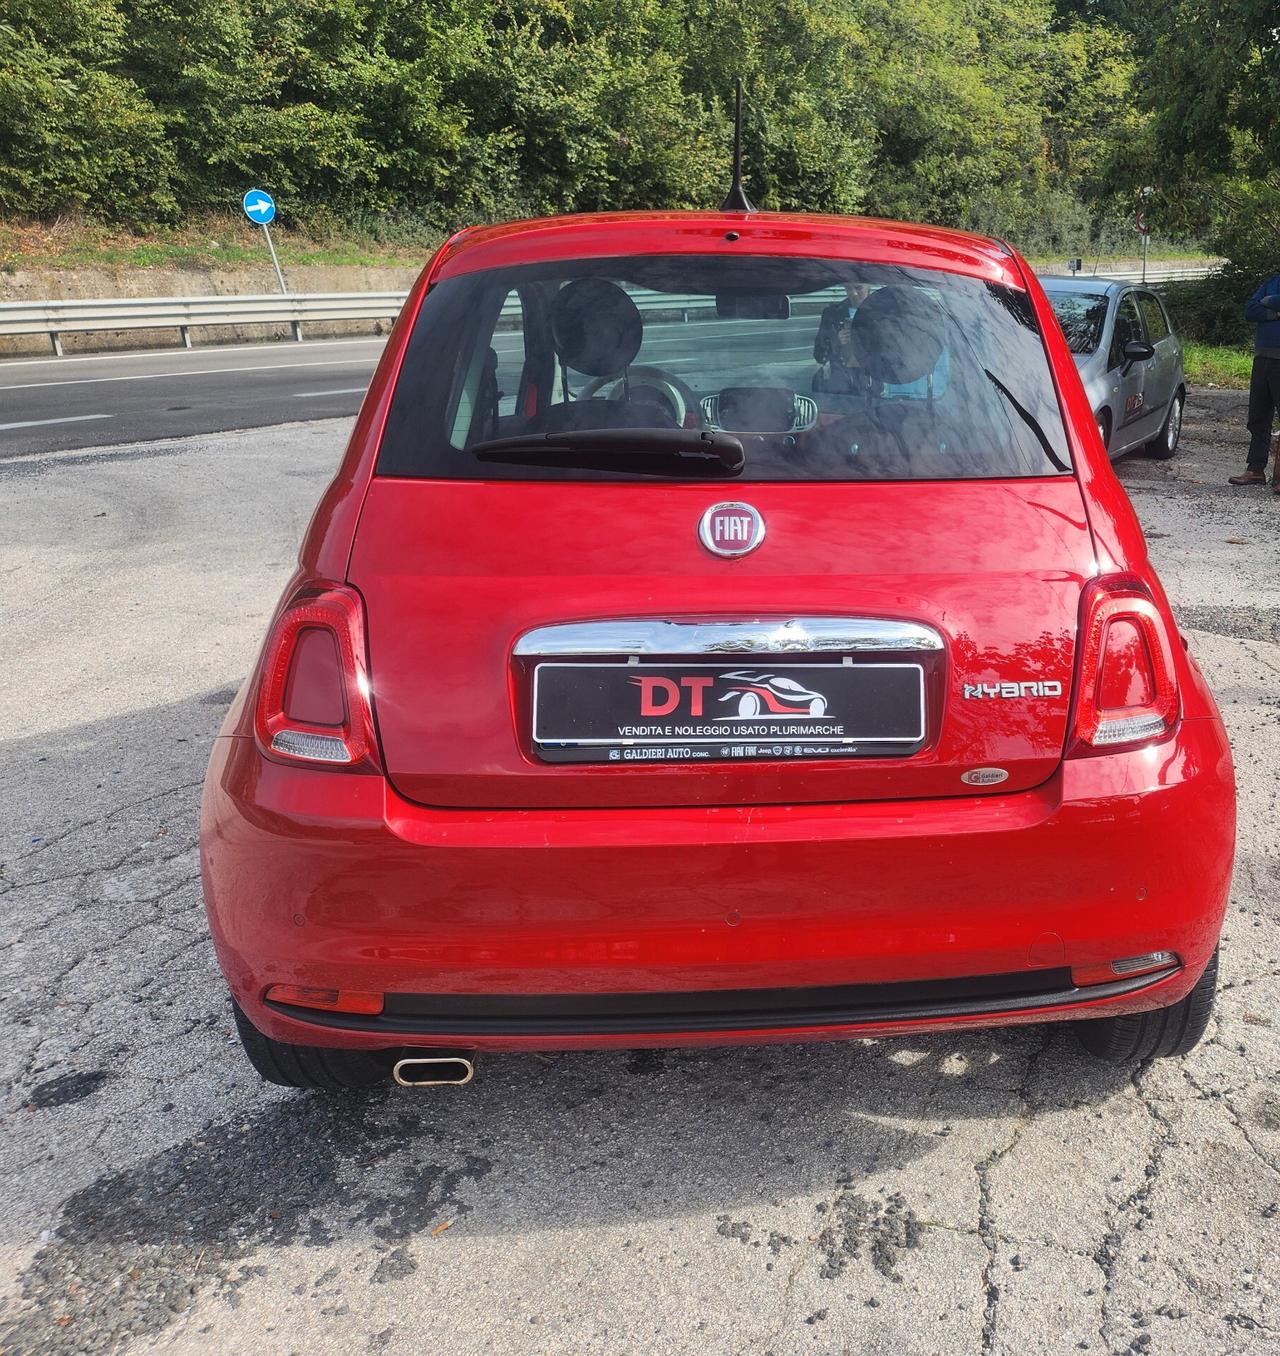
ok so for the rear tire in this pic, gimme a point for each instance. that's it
(309, 1066)
(1165, 444)
(1150, 1035)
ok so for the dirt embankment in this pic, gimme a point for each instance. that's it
(42, 284)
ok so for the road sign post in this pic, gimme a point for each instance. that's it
(260, 207)
(1140, 220)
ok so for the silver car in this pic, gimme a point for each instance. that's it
(1130, 361)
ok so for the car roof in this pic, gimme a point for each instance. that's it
(802, 235)
(1085, 283)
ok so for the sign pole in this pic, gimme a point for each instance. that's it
(1146, 194)
(266, 230)
(260, 207)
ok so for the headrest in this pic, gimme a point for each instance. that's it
(897, 334)
(596, 326)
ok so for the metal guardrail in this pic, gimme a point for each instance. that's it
(55, 318)
(1156, 273)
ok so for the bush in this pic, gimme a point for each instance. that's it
(1211, 310)
(1248, 226)
(74, 138)
(1006, 118)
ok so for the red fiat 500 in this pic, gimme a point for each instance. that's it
(643, 682)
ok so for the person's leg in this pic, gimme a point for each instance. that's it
(1273, 382)
(1264, 388)
(1271, 375)
(1262, 407)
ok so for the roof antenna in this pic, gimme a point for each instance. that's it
(737, 201)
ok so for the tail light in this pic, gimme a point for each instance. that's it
(328, 1000)
(1127, 693)
(313, 702)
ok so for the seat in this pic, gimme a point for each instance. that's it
(598, 413)
(597, 331)
(898, 339)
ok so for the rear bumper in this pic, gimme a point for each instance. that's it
(544, 929)
(720, 1011)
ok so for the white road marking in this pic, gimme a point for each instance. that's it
(345, 390)
(168, 376)
(68, 419)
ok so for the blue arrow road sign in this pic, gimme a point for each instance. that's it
(259, 206)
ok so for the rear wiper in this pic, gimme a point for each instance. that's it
(1029, 419)
(691, 448)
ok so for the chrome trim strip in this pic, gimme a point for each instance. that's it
(791, 635)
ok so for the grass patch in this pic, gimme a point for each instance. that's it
(214, 242)
(1215, 365)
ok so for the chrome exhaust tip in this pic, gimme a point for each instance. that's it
(433, 1071)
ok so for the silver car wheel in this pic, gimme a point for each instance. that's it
(1174, 428)
(1165, 443)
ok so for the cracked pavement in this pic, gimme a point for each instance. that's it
(993, 1193)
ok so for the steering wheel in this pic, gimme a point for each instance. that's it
(680, 395)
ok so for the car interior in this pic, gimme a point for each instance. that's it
(938, 378)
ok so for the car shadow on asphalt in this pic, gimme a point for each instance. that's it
(535, 1142)
(533, 1145)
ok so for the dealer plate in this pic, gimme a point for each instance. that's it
(691, 712)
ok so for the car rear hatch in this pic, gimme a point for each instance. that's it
(575, 644)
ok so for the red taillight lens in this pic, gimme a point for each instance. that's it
(313, 691)
(313, 702)
(1125, 678)
(1127, 688)
(330, 1000)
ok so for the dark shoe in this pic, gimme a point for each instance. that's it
(1248, 478)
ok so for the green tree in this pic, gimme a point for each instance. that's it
(1005, 115)
(1210, 83)
(75, 134)
(808, 132)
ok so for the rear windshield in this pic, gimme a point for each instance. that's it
(822, 369)
(1081, 315)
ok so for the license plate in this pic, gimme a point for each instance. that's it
(691, 712)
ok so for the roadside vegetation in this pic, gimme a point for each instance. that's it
(130, 128)
(1217, 365)
(227, 240)
(146, 111)
(214, 241)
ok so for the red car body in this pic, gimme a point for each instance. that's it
(448, 888)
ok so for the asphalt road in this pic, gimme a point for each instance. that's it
(91, 400)
(967, 1193)
(59, 404)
